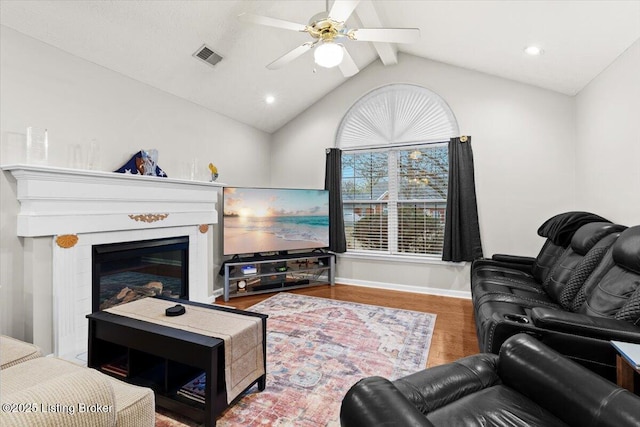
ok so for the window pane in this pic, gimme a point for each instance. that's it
(365, 176)
(421, 228)
(423, 173)
(366, 226)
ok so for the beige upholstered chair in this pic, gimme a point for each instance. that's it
(47, 391)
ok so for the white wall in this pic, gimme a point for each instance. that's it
(608, 141)
(78, 101)
(523, 142)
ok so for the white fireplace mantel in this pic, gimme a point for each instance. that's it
(55, 201)
(79, 209)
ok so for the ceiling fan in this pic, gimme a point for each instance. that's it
(328, 27)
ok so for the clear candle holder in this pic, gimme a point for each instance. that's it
(37, 146)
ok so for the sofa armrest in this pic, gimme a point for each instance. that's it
(375, 401)
(436, 387)
(569, 391)
(517, 259)
(85, 397)
(584, 325)
(13, 351)
(494, 263)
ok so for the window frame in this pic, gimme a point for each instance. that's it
(394, 200)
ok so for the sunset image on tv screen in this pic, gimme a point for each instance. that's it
(258, 220)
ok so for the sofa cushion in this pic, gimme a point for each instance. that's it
(620, 280)
(590, 234)
(75, 398)
(13, 351)
(545, 261)
(593, 246)
(583, 270)
(133, 406)
(494, 406)
(605, 264)
(626, 251)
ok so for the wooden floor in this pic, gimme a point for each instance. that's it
(454, 335)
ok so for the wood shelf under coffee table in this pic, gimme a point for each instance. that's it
(165, 358)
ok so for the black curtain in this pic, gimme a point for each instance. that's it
(333, 182)
(461, 229)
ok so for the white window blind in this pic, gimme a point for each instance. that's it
(395, 199)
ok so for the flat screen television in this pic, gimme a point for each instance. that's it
(262, 220)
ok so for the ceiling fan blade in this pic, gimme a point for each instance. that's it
(390, 35)
(290, 56)
(348, 66)
(342, 9)
(271, 22)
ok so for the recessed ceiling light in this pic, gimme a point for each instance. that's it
(270, 99)
(533, 50)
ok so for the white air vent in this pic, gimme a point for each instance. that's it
(206, 54)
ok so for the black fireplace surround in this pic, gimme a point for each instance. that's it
(123, 272)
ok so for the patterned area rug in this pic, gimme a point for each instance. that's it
(317, 349)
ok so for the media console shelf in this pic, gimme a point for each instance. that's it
(260, 274)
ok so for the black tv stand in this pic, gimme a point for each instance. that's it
(278, 272)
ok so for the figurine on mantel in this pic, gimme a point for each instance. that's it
(214, 172)
(144, 162)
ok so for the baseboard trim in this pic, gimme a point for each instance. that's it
(405, 288)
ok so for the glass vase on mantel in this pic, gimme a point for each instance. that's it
(37, 146)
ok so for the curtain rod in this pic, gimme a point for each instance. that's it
(404, 144)
(463, 138)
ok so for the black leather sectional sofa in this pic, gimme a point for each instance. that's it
(580, 292)
(528, 384)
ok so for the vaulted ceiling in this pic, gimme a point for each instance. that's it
(154, 42)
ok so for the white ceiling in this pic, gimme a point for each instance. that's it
(153, 42)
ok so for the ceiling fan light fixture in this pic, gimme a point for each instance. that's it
(328, 54)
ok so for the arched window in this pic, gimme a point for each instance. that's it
(395, 170)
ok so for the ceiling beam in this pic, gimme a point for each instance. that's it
(369, 17)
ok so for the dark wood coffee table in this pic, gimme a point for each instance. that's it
(164, 359)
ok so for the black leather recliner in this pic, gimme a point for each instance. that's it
(528, 272)
(590, 240)
(596, 301)
(528, 384)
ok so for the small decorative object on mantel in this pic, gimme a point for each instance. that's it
(67, 241)
(144, 162)
(214, 172)
(149, 217)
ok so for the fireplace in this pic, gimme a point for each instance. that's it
(65, 213)
(127, 271)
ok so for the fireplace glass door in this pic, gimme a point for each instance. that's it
(124, 272)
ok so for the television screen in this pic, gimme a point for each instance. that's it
(258, 220)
